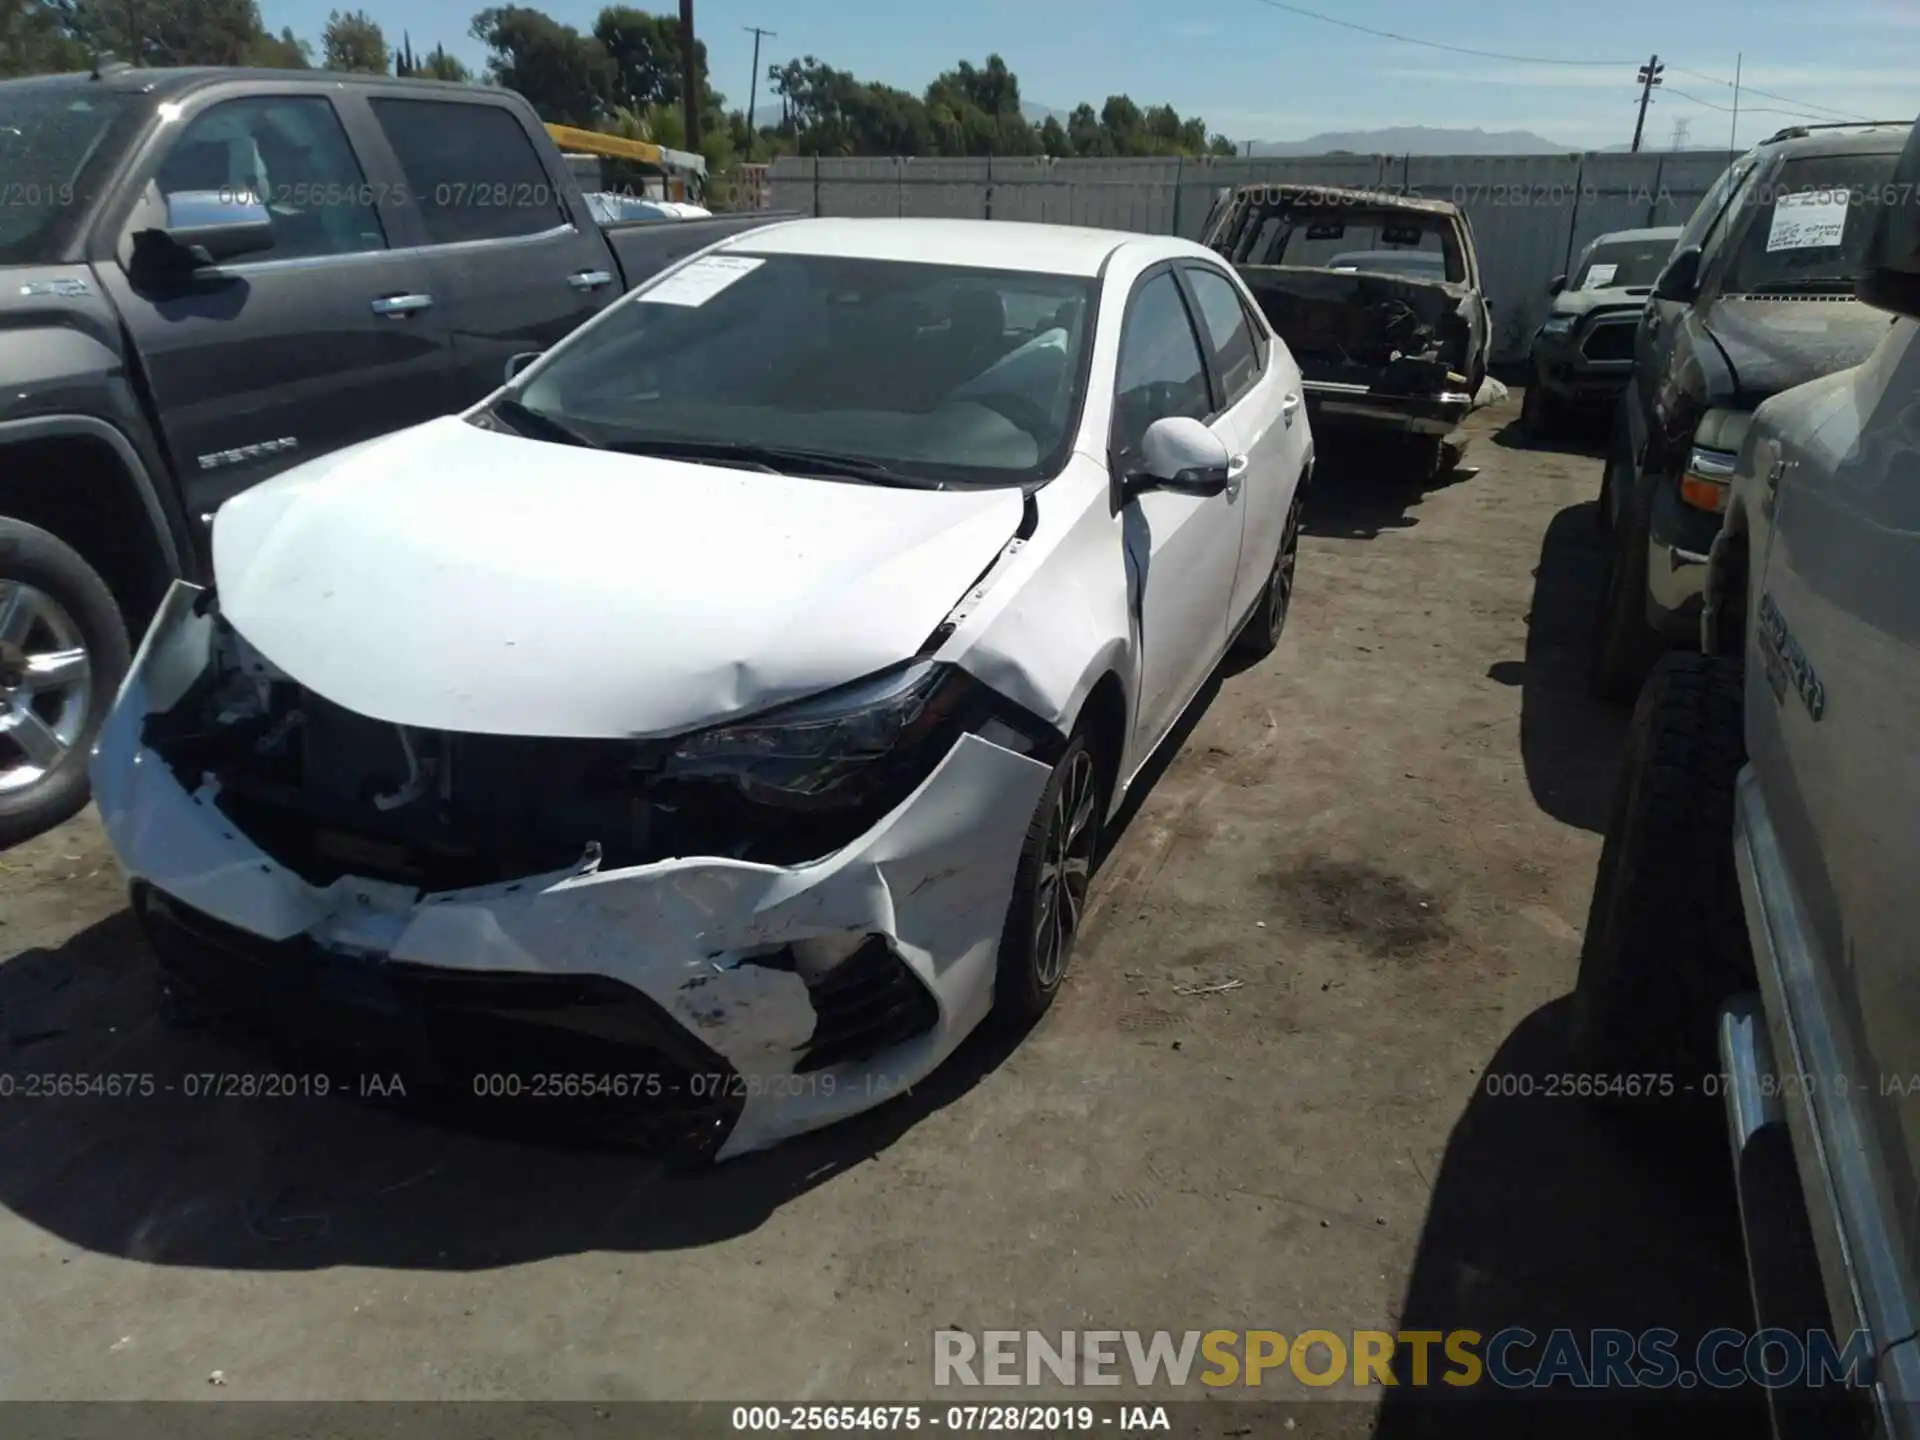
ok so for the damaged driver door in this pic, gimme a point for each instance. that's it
(1182, 550)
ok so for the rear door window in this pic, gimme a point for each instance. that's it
(470, 169)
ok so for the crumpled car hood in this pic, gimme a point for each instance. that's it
(454, 578)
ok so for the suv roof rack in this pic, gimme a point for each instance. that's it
(1798, 132)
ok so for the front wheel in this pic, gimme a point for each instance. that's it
(1050, 885)
(63, 651)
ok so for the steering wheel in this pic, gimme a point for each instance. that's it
(1018, 411)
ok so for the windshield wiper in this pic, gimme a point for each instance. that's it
(780, 460)
(538, 425)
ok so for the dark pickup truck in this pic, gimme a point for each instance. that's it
(207, 276)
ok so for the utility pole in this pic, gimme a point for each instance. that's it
(1649, 77)
(1733, 130)
(689, 77)
(753, 85)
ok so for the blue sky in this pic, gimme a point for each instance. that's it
(1259, 72)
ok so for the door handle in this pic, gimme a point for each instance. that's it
(590, 279)
(1289, 407)
(399, 306)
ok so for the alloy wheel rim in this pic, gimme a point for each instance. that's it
(45, 685)
(1283, 567)
(1066, 868)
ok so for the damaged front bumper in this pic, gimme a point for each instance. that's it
(742, 1002)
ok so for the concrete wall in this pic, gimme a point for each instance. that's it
(1531, 214)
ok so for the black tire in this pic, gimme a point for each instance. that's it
(1617, 472)
(1540, 414)
(1666, 943)
(1269, 619)
(1028, 977)
(81, 604)
(1625, 646)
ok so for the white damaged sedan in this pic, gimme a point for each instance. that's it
(717, 722)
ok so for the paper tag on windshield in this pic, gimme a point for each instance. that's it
(700, 281)
(1807, 221)
(1599, 275)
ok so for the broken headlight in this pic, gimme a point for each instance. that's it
(865, 744)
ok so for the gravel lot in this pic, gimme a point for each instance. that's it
(1387, 833)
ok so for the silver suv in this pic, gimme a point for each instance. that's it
(1755, 929)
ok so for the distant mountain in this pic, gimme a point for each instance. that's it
(1036, 113)
(1417, 140)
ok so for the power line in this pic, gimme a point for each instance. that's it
(1756, 90)
(1744, 108)
(1548, 60)
(1430, 44)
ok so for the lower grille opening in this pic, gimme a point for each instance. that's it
(868, 1003)
(582, 1056)
(1610, 341)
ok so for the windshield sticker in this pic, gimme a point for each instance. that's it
(1599, 275)
(699, 282)
(1808, 221)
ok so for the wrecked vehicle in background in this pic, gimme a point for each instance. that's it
(1377, 296)
(702, 734)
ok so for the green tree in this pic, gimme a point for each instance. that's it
(284, 51)
(34, 40)
(1086, 134)
(646, 53)
(566, 76)
(1053, 137)
(353, 43)
(439, 65)
(168, 32)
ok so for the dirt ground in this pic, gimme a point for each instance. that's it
(1386, 833)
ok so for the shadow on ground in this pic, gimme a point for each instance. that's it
(304, 1183)
(1581, 432)
(1538, 1220)
(154, 1174)
(1362, 486)
(1570, 743)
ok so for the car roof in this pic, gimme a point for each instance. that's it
(166, 83)
(990, 244)
(1342, 197)
(1889, 138)
(1628, 237)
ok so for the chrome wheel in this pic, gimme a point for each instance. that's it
(45, 685)
(1066, 866)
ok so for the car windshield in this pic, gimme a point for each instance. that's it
(49, 134)
(1810, 226)
(909, 370)
(1622, 263)
(1327, 236)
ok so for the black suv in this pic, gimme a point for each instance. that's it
(1756, 298)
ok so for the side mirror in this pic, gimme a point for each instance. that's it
(1556, 284)
(1680, 281)
(205, 227)
(519, 362)
(1178, 453)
